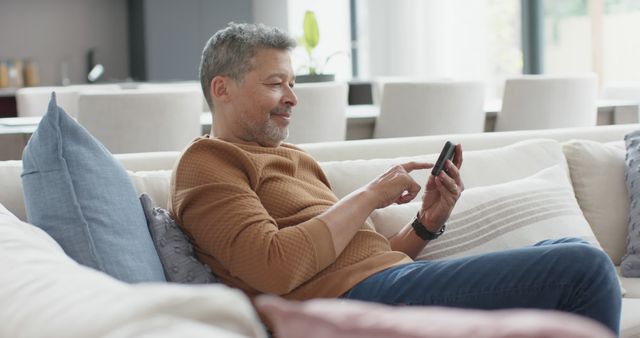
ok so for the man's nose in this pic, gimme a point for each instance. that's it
(290, 97)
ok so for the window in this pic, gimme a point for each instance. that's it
(620, 42)
(567, 37)
(593, 36)
(440, 39)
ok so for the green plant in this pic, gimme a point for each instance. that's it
(310, 39)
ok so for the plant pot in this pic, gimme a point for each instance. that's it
(315, 78)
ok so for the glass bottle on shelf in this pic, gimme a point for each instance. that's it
(31, 74)
(4, 74)
(15, 73)
(64, 74)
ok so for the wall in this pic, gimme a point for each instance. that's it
(271, 13)
(176, 31)
(54, 32)
(167, 42)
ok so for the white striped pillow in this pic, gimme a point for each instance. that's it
(503, 216)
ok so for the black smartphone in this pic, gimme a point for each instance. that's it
(447, 153)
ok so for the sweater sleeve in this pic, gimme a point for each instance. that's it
(213, 200)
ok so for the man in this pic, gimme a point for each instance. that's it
(263, 216)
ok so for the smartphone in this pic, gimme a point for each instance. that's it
(447, 153)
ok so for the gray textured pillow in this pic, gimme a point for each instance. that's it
(174, 247)
(630, 265)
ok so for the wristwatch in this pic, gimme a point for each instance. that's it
(422, 231)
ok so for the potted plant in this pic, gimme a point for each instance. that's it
(309, 41)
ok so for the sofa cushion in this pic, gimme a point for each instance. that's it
(356, 319)
(630, 285)
(6, 214)
(79, 194)
(503, 216)
(480, 167)
(629, 320)
(11, 188)
(174, 247)
(45, 293)
(597, 175)
(630, 265)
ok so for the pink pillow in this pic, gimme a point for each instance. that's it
(324, 318)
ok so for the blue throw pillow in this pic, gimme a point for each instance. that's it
(174, 247)
(78, 193)
(630, 265)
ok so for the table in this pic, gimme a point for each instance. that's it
(361, 120)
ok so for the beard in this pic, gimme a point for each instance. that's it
(269, 133)
(274, 132)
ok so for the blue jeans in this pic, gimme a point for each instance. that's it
(566, 274)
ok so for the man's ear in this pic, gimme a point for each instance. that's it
(220, 88)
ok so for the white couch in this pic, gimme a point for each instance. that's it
(54, 294)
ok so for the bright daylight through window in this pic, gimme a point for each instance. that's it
(592, 36)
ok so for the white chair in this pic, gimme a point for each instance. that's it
(541, 102)
(378, 83)
(320, 114)
(33, 101)
(430, 108)
(177, 84)
(142, 120)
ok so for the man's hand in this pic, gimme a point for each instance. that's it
(346, 217)
(442, 194)
(395, 185)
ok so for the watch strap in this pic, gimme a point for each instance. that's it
(422, 231)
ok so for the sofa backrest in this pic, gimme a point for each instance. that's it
(150, 171)
(404, 146)
(11, 188)
(411, 146)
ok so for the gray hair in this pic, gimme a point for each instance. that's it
(230, 51)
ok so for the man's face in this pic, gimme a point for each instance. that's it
(263, 100)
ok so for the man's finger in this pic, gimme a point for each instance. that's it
(457, 158)
(411, 166)
(447, 187)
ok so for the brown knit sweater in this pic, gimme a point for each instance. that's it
(251, 211)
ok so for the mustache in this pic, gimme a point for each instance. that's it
(281, 110)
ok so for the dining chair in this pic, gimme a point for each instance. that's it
(320, 114)
(33, 101)
(542, 102)
(419, 108)
(176, 84)
(142, 120)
